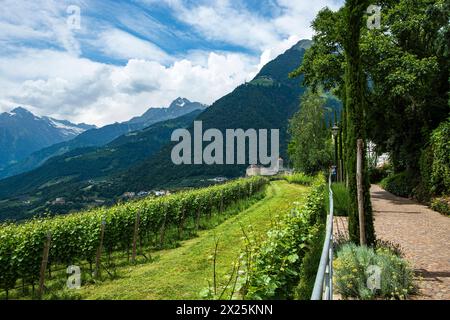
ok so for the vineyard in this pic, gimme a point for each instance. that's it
(84, 237)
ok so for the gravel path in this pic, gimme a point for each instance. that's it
(424, 236)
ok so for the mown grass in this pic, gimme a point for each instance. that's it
(299, 178)
(183, 272)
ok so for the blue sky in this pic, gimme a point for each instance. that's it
(127, 56)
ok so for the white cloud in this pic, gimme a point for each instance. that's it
(231, 22)
(63, 86)
(119, 44)
(61, 83)
(38, 21)
(271, 53)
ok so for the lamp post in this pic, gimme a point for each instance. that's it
(335, 132)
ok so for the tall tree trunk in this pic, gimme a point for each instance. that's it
(355, 124)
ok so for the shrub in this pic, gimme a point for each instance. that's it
(299, 178)
(440, 175)
(376, 174)
(353, 268)
(424, 189)
(388, 245)
(435, 168)
(441, 205)
(400, 184)
(310, 264)
(341, 199)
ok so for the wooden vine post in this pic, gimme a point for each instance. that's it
(359, 186)
(44, 264)
(136, 235)
(97, 272)
(181, 224)
(163, 228)
(198, 219)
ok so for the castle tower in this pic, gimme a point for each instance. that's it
(280, 164)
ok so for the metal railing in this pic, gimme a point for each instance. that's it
(323, 286)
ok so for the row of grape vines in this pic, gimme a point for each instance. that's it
(76, 237)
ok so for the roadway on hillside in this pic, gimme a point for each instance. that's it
(182, 273)
(424, 236)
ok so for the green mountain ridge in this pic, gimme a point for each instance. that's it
(66, 176)
(267, 102)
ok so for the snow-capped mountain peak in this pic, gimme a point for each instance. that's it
(180, 102)
(25, 133)
(65, 127)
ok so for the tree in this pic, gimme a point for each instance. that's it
(355, 83)
(334, 61)
(404, 73)
(406, 63)
(408, 66)
(310, 148)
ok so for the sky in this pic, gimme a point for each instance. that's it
(100, 62)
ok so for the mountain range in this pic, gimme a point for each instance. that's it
(22, 133)
(85, 138)
(266, 102)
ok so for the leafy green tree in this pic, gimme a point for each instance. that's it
(406, 63)
(404, 76)
(335, 62)
(408, 66)
(310, 148)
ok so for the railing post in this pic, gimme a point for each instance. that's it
(331, 265)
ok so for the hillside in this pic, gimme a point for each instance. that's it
(267, 102)
(22, 133)
(101, 136)
(74, 175)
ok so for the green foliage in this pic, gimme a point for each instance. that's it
(310, 148)
(278, 263)
(408, 64)
(376, 174)
(352, 271)
(355, 108)
(399, 184)
(441, 204)
(335, 61)
(396, 76)
(310, 264)
(422, 191)
(299, 178)
(393, 247)
(76, 237)
(434, 166)
(341, 199)
(262, 81)
(440, 174)
(8, 261)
